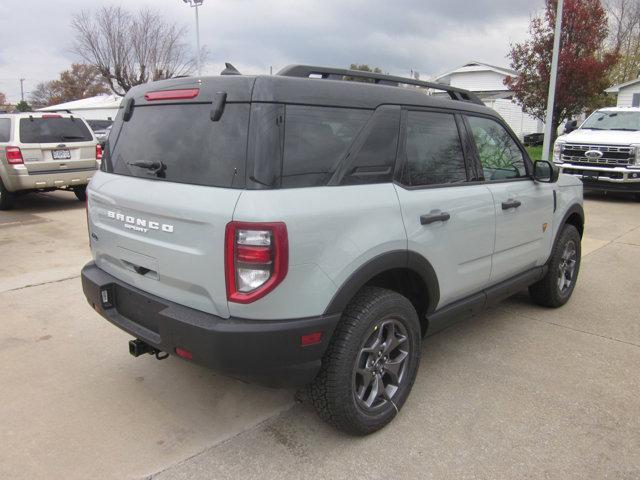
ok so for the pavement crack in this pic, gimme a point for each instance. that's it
(575, 329)
(40, 284)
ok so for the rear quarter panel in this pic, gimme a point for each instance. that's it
(332, 232)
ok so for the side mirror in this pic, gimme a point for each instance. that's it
(545, 172)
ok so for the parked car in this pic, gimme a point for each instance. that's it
(44, 152)
(101, 129)
(604, 151)
(292, 230)
(533, 139)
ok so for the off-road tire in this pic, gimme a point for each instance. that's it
(333, 392)
(546, 292)
(81, 193)
(6, 198)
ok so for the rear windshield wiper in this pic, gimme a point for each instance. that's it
(158, 168)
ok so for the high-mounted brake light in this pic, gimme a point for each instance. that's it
(172, 94)
(14, 156)
(51, 115)
(256, 259)
(98, 152)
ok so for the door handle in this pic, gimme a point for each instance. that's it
(434, 216)
(511, 203)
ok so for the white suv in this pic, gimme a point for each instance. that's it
(604, 151)
(43, 152)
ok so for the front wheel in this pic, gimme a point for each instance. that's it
(371, 363)
(556, 287)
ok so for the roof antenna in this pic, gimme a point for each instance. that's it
(230, 70)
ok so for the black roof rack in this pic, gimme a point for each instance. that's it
(307, 71)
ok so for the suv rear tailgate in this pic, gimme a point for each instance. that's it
(164, 238)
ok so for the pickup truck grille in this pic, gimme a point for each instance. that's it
(612, 156)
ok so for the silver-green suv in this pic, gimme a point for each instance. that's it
(302, 229)
(43, 152)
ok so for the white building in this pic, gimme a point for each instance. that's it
(487, 81)
(101, 107)
(628, 93)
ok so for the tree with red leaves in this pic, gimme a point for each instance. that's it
(583, 67)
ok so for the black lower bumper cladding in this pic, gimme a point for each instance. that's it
(267, 352)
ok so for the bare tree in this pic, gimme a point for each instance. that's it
(624, 37)
(130, 49)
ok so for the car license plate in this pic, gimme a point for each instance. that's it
(61, 154)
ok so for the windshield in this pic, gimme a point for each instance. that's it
(53, 130)
(604, 120)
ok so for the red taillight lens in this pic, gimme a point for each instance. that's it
(51, 115)
(98, 152)
(14, 156)
(172, 94)
(256, 259)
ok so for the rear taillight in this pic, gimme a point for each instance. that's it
(98, 152)
(14, 156)
(256, 259)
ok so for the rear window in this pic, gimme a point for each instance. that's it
(53, 130)
(182, 140)
(99, 124)
(5, 129)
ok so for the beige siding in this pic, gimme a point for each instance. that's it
(625, 96)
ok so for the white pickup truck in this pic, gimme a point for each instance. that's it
(604, 151)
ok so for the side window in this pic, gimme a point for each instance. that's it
(433, 150)
(375, 160)
(5, 129)
(315, 142)
(499, 154)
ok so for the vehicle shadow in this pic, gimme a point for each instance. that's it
(617, 197)
(35, 203)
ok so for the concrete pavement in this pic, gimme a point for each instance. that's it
(517, 392)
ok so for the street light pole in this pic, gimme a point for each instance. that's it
(552, 84)
(196, 4)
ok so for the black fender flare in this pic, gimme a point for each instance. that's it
(575, 208)
(387, 261)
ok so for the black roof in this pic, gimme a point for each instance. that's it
(324, 91)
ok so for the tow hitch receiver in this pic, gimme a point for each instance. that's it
(138, 347)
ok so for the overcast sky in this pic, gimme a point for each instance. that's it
(429, 36)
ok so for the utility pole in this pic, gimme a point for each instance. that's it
(552, 84)
(196, 4)
(22, 89)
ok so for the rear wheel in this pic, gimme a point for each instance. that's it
(6, 198)
(368, 370)
(81, 193)
(555, 289)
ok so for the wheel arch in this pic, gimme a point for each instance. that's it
(573, 216)
(402, 271)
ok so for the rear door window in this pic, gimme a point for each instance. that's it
(434, 154)
(5, 129)
(180, 143)
(315, 142)
(53, 130)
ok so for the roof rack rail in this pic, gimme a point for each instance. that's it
(308, 71)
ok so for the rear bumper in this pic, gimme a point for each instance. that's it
(20, 179)
(266, 352)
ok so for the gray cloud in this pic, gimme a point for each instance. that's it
(429, 36)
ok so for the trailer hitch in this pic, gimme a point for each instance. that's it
(139, 347)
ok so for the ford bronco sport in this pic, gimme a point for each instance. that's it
(300, 229)
(604, 152)
(44, 152)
